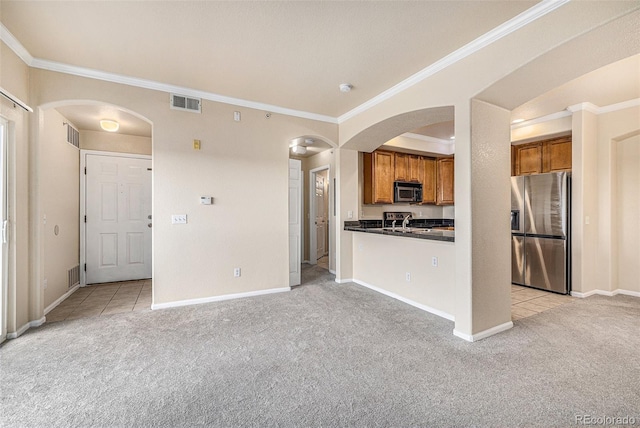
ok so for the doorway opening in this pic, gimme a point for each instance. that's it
(4, 136)
(319, 218)
(91, 179)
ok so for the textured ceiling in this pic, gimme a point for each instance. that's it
(288, 54)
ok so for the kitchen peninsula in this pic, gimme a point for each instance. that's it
(418, 271)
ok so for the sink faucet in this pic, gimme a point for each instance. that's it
(405, 222)
(393, 225)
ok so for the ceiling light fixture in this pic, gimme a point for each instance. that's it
(517, 121)
(346, 87)
(299, 150)
(308, 141)
(109, 125)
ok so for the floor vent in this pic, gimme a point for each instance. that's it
(74, 276)
(182, 102)
(73, 136)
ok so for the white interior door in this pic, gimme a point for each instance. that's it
(5, 229)
(118, 218)
(295, 220)
(320, 216)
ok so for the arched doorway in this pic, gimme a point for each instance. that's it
(70, 133)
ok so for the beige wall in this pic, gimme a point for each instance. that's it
(21, 307)
(626, 272)
(614, 254)
(383, 261)
(59, 203)
(242, 165)
(110, 142)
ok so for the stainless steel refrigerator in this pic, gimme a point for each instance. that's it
(541, 231)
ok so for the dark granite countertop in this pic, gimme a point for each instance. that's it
(420, 229)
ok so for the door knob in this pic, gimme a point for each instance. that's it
(149, 216)
(149, 225)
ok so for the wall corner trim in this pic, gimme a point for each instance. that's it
(61, 299)
(27, 326)
(190, 302)
(425, 308)
(605, 293)
(483, 334)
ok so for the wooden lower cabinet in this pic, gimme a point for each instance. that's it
(445, 181)
(551, 155)
(379, 174)
(429, 187)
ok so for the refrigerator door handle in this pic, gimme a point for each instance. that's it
(515, 219)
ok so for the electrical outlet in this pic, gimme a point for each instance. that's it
(349, 214)
(45, 284)
(434, 261)
(179, 219)
(237, 272)
(407, 276)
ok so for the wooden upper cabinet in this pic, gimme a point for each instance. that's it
(540, 157)
(445, 181)
(528, 159)
(416, 169)
(409, 168)
(556, 155)
(402, 167)
(429, 181)
(379, 174)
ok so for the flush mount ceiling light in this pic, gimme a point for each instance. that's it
(346, 87)
(109, 125)
(517, 121)
(308, 141)
(299, 150)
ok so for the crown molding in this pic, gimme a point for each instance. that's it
(514, 24)
(541, 119)
(427, 138)
(13, 44)
(586, 106)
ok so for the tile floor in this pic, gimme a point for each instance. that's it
(117, 297)
(527, 301)
(104, 299)
(323, 262)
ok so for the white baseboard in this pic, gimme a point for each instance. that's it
(605, 293)
(333, 272)
(27, 326)
(61, 299)
(483, 334)
(407, 301)
(218, 298)
(343, 281)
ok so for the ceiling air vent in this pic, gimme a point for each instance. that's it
(182, 102)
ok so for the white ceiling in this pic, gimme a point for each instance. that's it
(87, 117)
(283, 53)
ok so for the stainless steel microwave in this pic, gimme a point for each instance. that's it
(407, 192)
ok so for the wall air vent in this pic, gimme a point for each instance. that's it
(73, 136)
(73, 275)
(182, 102)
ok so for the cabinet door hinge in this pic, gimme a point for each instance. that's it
(85, 267)
(85, 219)
(85, 170)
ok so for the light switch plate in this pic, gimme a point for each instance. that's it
(179, 219)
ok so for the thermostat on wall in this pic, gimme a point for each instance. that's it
(206, 200)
